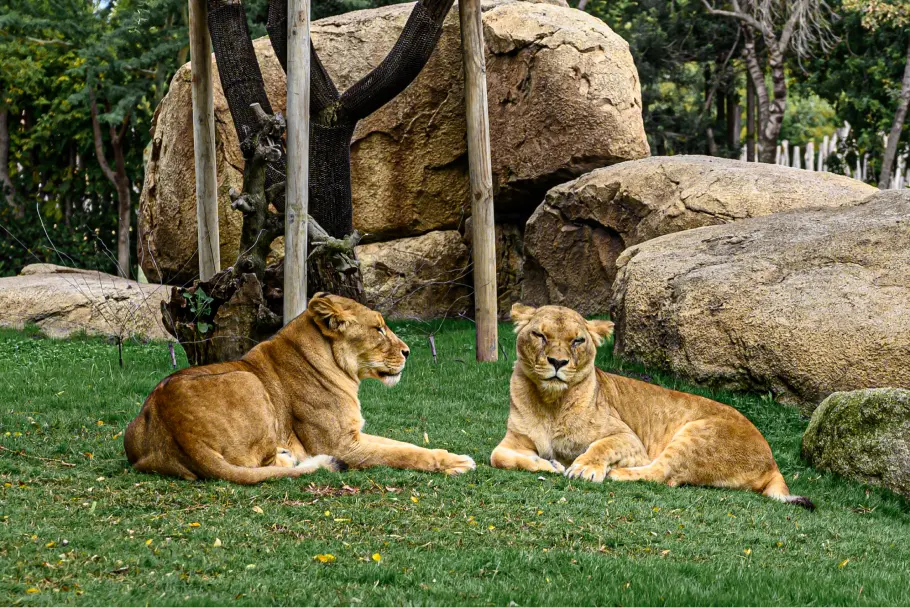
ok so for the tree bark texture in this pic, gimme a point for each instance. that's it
(897, 126)
(7, 190)
(767, 145)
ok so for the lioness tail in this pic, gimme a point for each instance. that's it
(212, 465)
(778, 490)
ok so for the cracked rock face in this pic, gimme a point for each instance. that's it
(864, 435)
(62, 301)
(564, 98)
(423, 277)
(574, 238)
(801, 304)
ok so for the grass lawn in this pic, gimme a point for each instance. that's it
(97, 533)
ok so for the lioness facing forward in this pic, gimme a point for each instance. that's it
(564, 412)
(290, 398)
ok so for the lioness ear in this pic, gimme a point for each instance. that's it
(329, 314)
(521, 315)
(599, 330)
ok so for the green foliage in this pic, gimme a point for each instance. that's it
(861, 80)
(680, 56)
(52, 51)
(200, 306)
(487, 537)
(83, 243)
(808, 118)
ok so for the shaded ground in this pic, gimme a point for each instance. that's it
(97, 533)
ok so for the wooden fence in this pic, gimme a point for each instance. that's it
(815, 155)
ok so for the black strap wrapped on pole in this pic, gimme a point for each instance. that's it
(240, 76)
(334, 117)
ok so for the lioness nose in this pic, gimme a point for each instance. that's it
(406, 353)
(557, 363)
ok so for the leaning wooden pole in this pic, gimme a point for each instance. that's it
(298, 146)
(484, 237)
(204, 142)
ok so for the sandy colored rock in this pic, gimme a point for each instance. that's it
(422, 277)
(62, 301)
(863, 435)
(564, 98)
(573, 239)
(802, 304)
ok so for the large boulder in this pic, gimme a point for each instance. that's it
(864, 435)
(574, 237)
(801, 304)
(63, 301)
(564, 98)
(421, 277)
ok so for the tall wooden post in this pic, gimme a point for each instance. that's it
(484, 238)
(204, 142)
(750, 119)
(298, 166)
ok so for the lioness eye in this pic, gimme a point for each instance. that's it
(578, 341)
(381, 330)
(537, 334)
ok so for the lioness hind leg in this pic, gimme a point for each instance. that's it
(715, 452)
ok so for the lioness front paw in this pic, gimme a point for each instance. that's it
(455, 464)
(587, 471)
(550, 466)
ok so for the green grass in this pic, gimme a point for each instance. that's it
(98, 533)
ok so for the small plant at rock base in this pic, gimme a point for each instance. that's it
(200, 306)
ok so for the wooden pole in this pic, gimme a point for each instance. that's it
(484, 237)
(298, 147)
(750, 119)
(204, 142)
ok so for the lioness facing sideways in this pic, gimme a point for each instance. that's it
(564, 412)
(287, 408)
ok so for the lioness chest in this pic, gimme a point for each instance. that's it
(566, 436)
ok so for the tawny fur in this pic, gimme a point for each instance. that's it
(567, 416)
(290, 397)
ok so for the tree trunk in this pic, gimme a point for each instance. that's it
(734, 121)
(770, 131)
(124, 210)
(118, 178)
(720, 103)
(768, 146)
(897, 126)
(7, 190)
(750, 119)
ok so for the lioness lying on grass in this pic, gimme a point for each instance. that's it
(287, 408)
(564, 412)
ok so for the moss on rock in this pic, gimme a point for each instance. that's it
(864, 435)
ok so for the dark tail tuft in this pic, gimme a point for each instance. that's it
(341, 466)
(801, 501)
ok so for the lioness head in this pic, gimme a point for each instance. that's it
(556, 345)
(361, 341)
